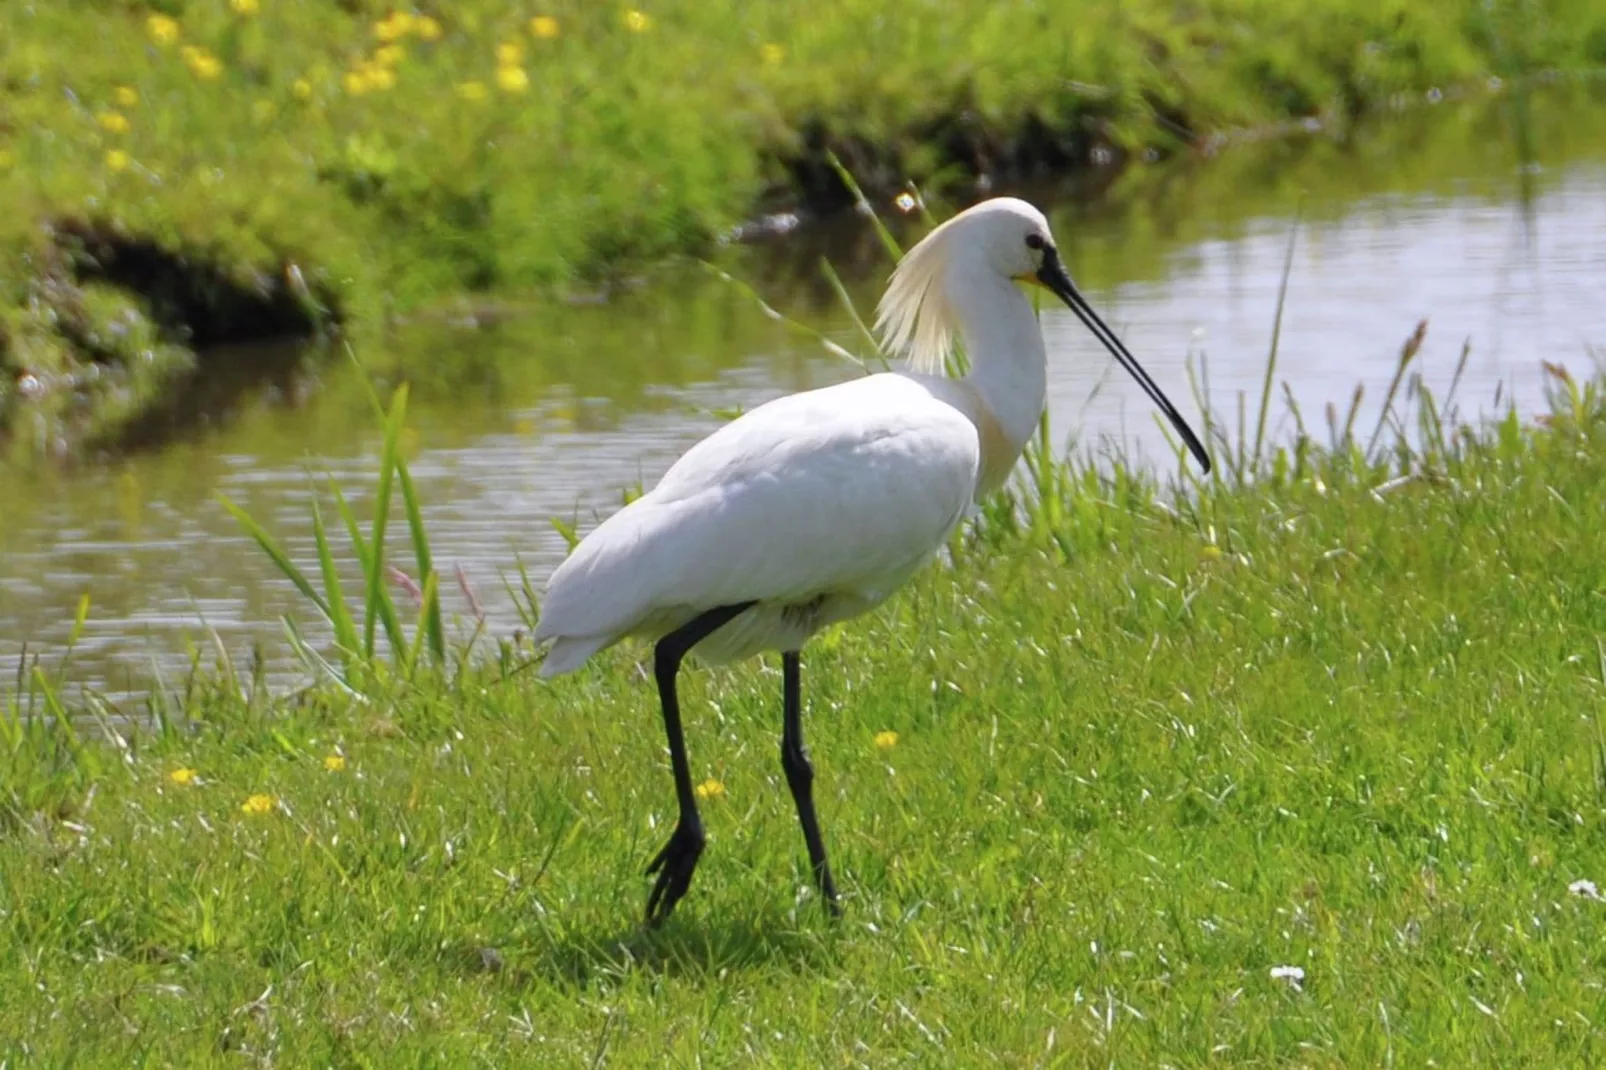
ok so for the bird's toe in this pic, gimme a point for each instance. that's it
(674, 866)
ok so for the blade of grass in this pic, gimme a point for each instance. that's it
(841, 291)
(315, 662)
(339, 614)
(379, 605)
(430, 620)
(530, 607)
(277, 555)
(428, 607)
(55, 710)
(1276, 338)
(1413, 345)
(1347, 439)
(780, 317)
(359, 544)
(1448, 405)
(888, 242)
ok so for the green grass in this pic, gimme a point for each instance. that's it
(1346, 717)
(260, 166)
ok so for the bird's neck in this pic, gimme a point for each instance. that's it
(1008, 369)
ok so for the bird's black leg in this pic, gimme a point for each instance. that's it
(675, 863)
(800, 774)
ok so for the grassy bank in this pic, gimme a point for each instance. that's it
(184, 173)
(1147, 751)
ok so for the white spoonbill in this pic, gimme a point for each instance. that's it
(816, 507)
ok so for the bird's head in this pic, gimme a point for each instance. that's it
(1009, 237)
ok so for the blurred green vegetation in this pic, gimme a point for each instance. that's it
(294, 161)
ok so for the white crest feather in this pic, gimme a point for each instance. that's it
(913, 318)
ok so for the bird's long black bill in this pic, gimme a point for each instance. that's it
(1054, 276)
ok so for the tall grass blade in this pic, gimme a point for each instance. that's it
(315, 662)
(525, 599)
(55, 710)
(1276, 339)
(1295, 411)
(841, 291)
(275, 554)
(430, 620)
(1432, 427)
(1448, 404)
(1347, 439)
(379, 605)
(888, 242)
(359, 543)
(1413, 345)
(429, 606)
(339, 615)
(771, 312)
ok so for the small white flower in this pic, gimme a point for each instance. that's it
(1292, 974)
(1585, 889)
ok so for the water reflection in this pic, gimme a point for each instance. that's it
(552, 411)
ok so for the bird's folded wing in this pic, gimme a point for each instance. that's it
(834, 489)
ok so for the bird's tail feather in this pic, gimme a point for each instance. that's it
(569, 652)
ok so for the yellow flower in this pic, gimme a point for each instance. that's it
(202, 63)
(886, 740)
(544, 27)
(637, 21)
(182, 776)
(471, 90)
(258, 804)
(1211, 552)
(355, 82)
(389, 55)
(427, 28)
(396, 25)
(382, 78)
(126, 96)
(512, 79)
(709, 789)
(163, 30)
(772, 54)
(509, 53)
(302, 89)
(244, 7)
(334, 762)
(113, 122)
(117, 160)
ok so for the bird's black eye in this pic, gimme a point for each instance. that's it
(1034, 240)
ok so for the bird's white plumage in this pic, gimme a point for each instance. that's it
(819, 505)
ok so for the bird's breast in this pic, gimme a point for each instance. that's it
(998, 450)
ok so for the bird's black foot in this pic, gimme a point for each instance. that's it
(674, 866)
(833, 905)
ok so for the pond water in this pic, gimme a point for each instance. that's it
(554, 409)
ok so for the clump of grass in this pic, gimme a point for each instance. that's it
(358, 667)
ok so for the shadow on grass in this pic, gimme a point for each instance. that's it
(683, 948)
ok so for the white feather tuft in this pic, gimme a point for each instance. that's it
(914, 318)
